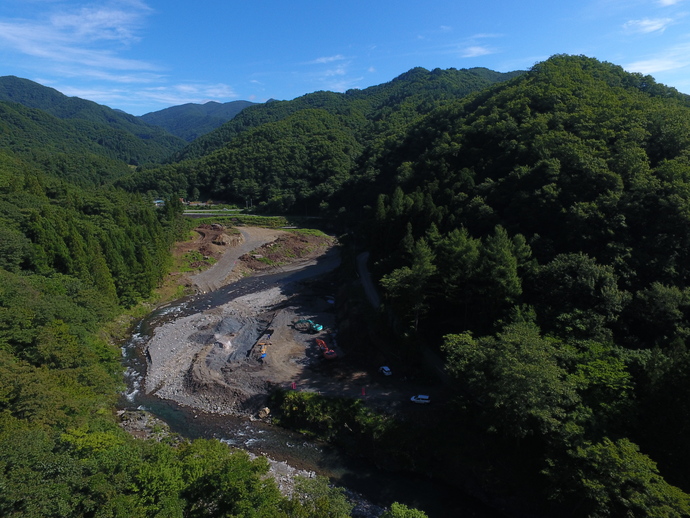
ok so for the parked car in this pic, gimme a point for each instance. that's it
(421, 398)
(385, 370)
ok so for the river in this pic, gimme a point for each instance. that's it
(379, 487)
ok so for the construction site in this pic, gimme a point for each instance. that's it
(226, 359)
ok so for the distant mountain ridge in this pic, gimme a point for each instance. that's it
(155, 143)
(414, 92)
(190, 121)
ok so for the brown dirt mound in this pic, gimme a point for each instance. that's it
(287, 248)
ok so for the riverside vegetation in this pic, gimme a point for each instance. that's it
(532, 228)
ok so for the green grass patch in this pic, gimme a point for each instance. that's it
(194, 260)
(309, 232)
(245, 219)
(266, 261)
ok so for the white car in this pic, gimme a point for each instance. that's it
(385, 371)
(421, 398)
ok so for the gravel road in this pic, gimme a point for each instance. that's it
(215, 277)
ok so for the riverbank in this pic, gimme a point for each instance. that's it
(204, 354)
(145, 425)
(201, 361)
(226, 359)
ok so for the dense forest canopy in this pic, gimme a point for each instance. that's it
(106, 127)
(532, 229)
(363, 117)
(190, 121)
(539, 231)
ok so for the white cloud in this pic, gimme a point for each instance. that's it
(648, 25)
(99, 23)
(326, 59)
(344, 84)
(669, 2)
(475, 51)
(164, 95)
(673, 59)
(483, 35)
(81, 37)
(339, 71)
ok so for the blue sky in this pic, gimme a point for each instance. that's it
(145, 55)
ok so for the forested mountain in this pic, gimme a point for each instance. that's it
(129, 138)
(539, 232)
(72, 258)
(190, 121)
(390, 104)
(534, 231)
(264, 169)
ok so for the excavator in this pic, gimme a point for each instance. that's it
(327, 352)
(308, 325)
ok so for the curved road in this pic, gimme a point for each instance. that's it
(214, 277)
(433, 360)
(367, 283)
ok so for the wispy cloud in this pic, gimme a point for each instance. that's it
(84, 45)
(473, 46)
(338, 71)
(326, 59)
(88, 36)
(100, 23)
(335, 76)
(672, 59)
(344, 84)
(164, 95)
(648, 25)
(475, 51)
(669, 2)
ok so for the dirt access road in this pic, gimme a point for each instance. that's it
(214, 241)
(212, 361)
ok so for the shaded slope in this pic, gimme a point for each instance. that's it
(190, 121)
(414, 92)
(153, 143)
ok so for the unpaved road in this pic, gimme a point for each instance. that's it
(217, 275)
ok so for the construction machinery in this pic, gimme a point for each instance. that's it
(308, 326)
(326, 351)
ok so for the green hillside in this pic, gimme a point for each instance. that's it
(537, 234)
(534, 232)
(191, 121)
(265, 171)
(132, 140)
(414, 92)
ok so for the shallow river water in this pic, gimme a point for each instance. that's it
(378, 487)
